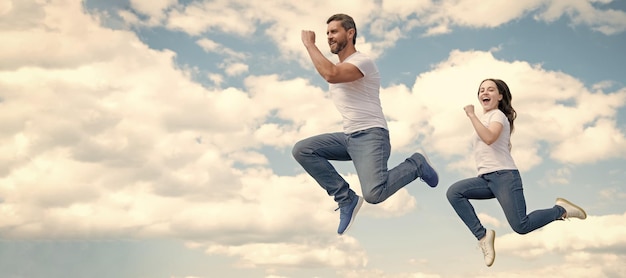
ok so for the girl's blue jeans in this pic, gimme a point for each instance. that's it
(506, 187)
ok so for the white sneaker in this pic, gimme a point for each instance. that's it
(486, 244)
(571, 210)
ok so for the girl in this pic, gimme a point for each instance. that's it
(498, 176)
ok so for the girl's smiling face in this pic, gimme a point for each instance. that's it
(489, 96)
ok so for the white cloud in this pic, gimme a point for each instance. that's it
(596, 235)
(488, 220)
(585, 12)
(154, 9)
(6, 7)
(32, 28)
(601, 141)
(612, 193)
(231, 63)
(217, 79)
(305, 110)
(404, 9)
(591, 266)
(133, 115)
(559, 176)
(235, 69)
(339, 252)
(489, 14)
(377, 273)
(129, 17)
(199, 17)
(103, 137)
(586, 248)
(249, 158)
(465, 13)
(589, 248)
(553, 103)
(212, 46)
(386, 22)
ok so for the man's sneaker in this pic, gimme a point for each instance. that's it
(429, 174)
(347, 214)
(486, 244)
(571, 210)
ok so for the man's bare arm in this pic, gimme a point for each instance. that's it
(340, 73)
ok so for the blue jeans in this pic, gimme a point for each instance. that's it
(506, 187)
(369, 152)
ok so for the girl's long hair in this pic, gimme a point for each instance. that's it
(505, 104)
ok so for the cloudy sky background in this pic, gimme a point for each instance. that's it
(144, 138)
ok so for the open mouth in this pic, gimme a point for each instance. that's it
(486, 100)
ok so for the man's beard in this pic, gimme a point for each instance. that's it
(340, 45)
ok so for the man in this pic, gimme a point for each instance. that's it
(354, 88)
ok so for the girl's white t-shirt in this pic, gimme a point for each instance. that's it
(497, 156)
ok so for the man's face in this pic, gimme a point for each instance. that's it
(337, 37)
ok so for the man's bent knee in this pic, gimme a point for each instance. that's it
(371, 198)
(298, 150)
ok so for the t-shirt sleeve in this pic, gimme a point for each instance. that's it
(498, 117)
(363, 63)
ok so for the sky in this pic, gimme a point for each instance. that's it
(152, 138)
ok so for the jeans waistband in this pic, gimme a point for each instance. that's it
(499, 172)
(366, 130)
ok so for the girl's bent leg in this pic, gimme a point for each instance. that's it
(459, 195)
(507, 187)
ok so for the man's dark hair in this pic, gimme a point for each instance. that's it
(346, 22)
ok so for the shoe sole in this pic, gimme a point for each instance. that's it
(572, 204)
(423, 153)
(354, 212)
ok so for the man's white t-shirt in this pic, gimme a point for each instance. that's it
(497, 156)
(358, 102)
